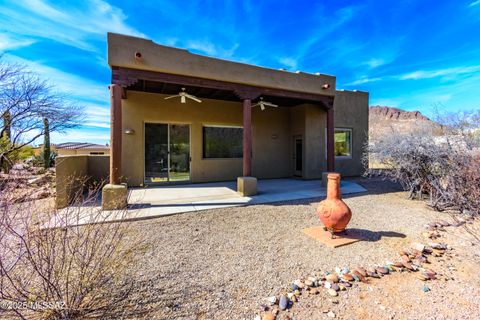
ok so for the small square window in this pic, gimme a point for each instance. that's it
(343, 142)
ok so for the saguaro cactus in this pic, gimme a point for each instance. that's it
(46, 144)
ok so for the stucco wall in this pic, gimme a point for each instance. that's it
(77, 172)
(351, 111)
(271, 128)
(70, 170)
(121, 53)
(71, 152)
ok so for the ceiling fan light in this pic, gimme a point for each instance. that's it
(183, 99)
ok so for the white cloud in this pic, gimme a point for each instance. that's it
(375, 62)
(209, 48)
(474, 3)
(8, 42)
(289, 62)
(73, 26)
(446, 73)
(364, 80)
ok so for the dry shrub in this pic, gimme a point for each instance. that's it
(50, 269)
(443, 164)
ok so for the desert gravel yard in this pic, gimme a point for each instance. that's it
(224, 263)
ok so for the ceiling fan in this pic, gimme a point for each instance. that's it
(264, 104)
(183, 97)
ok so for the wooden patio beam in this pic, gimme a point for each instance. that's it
(126, 77)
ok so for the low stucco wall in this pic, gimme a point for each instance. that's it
(76, 172)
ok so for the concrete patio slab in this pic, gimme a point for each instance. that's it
(167, 200)
(152, 202)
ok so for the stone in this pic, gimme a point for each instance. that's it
(283, 302)
(332, 277)
(314, 291)
(294, 287)
(443, 223)
(425, 289)
(335, 287)
(359, 276)
(373, 274)
(346, 284)
(382, 270)
(286, 317)
(435, 245)
(362, 271)
(328, 284)
(296, 292)
(417, 246)
(342, 287)
(331, 314)
(247, 186)
(332, 292)
(257, 317)
(272, 300)
(408, 265)
(309, 283)
(348, 277)
(268, 316)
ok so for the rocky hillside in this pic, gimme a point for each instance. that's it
(386, 120)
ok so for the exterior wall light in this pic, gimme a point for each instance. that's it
(129, 131)
(326, 86)
(138, 56)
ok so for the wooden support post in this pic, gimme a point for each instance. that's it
(115, 133)
(247, 137)
(330, 140)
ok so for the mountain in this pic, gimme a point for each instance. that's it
(387, 120)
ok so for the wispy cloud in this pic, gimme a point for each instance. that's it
(209, 48)
(71, 25)
(474, 3)
(445, 73)
(9, 41)
(364, 80)
(289, 62)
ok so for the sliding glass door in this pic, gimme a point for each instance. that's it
(167, 153)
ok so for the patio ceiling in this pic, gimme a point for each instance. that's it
(164, 83)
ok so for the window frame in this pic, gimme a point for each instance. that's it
(218, 126)
(351, 142)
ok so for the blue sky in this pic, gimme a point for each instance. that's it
(410, 54)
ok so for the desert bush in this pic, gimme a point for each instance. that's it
(65, 264)
(443, 164)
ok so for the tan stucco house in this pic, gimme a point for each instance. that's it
(154, 140)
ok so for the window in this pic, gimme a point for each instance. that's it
(343, 142)
(97, 153)
(222, 142)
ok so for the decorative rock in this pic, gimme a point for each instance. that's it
(286, 318)
(272, 300)
(294, 287)
(382, 270)
(332, 277)
(283, 302)
(314, 291)
(257, 317)
(335, 287)
(435, 245)
(347, 277)
(332, 292)
(309, 283)
(359, 276)
(373, 274)
(342, 287)
(443, 223)
(331, 314)
(296, 292)
(425, 289)
(268, 316)
(362, 271)
(423, 276)
(408, 265)
(328, 284)
(346, 284)
(417, 246)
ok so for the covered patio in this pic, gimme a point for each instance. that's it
(173, 199)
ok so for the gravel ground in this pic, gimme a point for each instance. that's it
(223, 263)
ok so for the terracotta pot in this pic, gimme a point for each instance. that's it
(333, 212)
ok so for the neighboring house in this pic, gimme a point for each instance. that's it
(314, 129)
(78, 148)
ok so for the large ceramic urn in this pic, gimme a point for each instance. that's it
(333, 212)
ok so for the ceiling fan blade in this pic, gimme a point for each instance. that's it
(255, 105)
(171, 97)
(262, 106)
(269, 104)
(193, 98)
(183, 99)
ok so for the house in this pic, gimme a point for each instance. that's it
(311, 128)
(76, 148)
